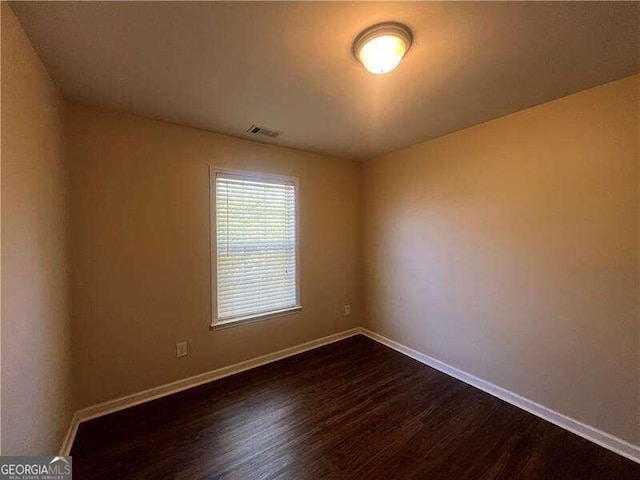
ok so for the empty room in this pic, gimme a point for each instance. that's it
(320, 240)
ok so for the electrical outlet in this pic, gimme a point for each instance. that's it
(347, 309)
(181, 349)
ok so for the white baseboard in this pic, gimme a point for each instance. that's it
(67, 443)
(592, 434)
(190, 382)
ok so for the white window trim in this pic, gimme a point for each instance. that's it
(213, 259)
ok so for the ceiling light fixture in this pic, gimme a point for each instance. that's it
(381, 47)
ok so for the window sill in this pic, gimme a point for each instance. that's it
(253, 318)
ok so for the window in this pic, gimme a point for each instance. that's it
(255, 250)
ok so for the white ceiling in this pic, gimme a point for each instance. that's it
(288, 66)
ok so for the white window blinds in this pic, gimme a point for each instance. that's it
(256, 246)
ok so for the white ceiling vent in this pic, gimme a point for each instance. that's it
(265, 132)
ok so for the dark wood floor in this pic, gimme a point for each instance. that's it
(354, 410)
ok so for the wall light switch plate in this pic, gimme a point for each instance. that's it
(347, 309)
(181, 349)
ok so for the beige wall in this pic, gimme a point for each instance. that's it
(35, 321)
(140, 251)
(510, 250)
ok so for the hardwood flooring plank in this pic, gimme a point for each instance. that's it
(354, 409)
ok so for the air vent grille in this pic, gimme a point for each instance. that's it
(265, 132)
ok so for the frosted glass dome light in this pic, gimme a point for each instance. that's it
(381, 47)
